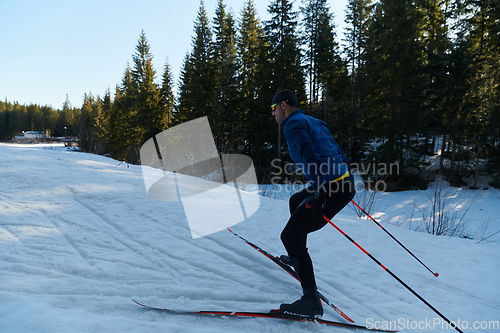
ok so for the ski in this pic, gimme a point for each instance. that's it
(290, 271)
(273, 314)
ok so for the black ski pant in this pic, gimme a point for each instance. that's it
(303, 222)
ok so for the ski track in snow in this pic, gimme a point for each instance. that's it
(79, 239)
(149, 251)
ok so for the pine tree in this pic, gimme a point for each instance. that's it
(284, 60)
(358, 17)
(325, 69)
(226, 121)
(224, 33)
(481, 98)
(259, 130)
(63, 119)
(137, 114)
(126, 133)
(98, 128)
(437, 49)
(103, 108)
(196, 89)
(116, 120)
(86, 134)
(395, 58)
(184, 110)
(320, 45)
(283, 49)
(167, 98)
(250, 45)
(151, 119)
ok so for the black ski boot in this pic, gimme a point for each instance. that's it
(309, 305)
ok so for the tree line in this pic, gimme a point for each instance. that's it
(408, 74)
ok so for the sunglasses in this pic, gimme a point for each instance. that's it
(273, 107)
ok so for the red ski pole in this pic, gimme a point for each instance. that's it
(387, 232)
(391, 273)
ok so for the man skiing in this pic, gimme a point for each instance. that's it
(313, 148)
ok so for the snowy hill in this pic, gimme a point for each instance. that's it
(79, 239)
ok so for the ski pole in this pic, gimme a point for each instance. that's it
(291, 272)
(391, 273)
(387, 232)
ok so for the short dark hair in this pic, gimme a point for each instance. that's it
(287, 96)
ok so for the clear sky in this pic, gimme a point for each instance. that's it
(56, 47)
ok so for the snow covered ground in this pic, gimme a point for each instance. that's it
(79, 239)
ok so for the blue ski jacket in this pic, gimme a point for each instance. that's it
(314, 149)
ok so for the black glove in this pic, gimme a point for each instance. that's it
(318, 202)
(315, 202)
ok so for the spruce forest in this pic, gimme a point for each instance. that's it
(405, 76)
